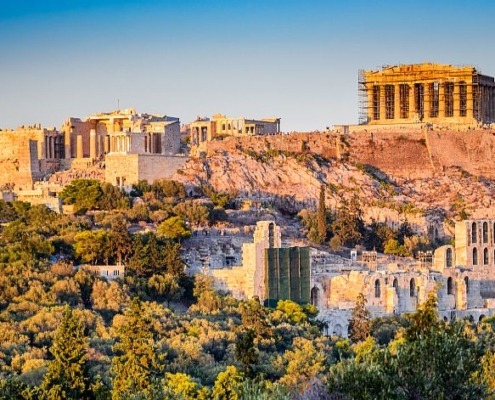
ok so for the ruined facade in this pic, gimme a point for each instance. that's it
(433, 93)
(122, 131)
(268, 271)
(464, 276)
(28, 154)
(135, 146)
(205, 129)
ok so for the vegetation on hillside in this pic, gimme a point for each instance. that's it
(66, 333)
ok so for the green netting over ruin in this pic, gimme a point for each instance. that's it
(287, 275)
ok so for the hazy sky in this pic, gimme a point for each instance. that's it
(297, 60)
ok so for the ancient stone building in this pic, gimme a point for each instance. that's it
(122, 131)
(268, 271)
(205, 129)
(135, 146)
(28, 153)
(433, 93)
(464, 277)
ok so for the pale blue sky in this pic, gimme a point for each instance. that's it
(297, 60)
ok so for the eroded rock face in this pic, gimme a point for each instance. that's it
(421, 176)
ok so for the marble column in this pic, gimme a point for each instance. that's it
(412, 103)
(92, 144)
(427, 101)
(457, 100)
(383, 108)
(79, 147)
(396, 101)
(469, 101)
(441, 100)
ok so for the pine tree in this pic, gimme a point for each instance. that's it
(136, 366)
(67, 376)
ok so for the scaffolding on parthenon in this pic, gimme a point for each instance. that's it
(362, 99)
(442, 92)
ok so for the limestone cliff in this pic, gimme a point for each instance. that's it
(396, 175)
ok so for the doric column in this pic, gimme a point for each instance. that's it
(426, 101)
(79, 146)
(412, 103)
(369, 106)
(397, 102)
(492, 103)
(469, 100)
(457, 100)
(383, 108)
(92, 144)
(44, 149)
(52, 147)
(68, 132)
(441, 100)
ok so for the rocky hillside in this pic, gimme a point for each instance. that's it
(421, 176)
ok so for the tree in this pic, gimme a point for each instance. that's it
(120, 241)
(348, 223)
(152, 256)
(93, 246)
(228, 384)
(360, 324)
(322, 216)
(167, 188)
(82, 193)
(425, 319)
(112, 197)
(304, 363)
(208, 300)
(167, 287)
(136, 366)
(292, 311)
(67, 376)
(181, 386)
(246, 353)
(254, 316)
(174, 228)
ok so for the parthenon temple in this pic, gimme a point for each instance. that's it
(434, 93)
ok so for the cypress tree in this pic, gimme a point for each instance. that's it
(322, 216)
(360, 324)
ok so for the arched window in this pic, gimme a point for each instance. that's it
(315, 292)
(485, 232)
(473, 233)
(377, 289)
(466, 282)
(396, 286)
(475, 256)
(485, 256)
(412, 288)
(450, 286)
(448, 258)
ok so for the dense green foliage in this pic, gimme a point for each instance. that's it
(66, 333)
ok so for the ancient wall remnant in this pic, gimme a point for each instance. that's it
(463, 277)
(268, 271)
(206, 129)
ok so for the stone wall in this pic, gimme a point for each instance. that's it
(131, 168)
